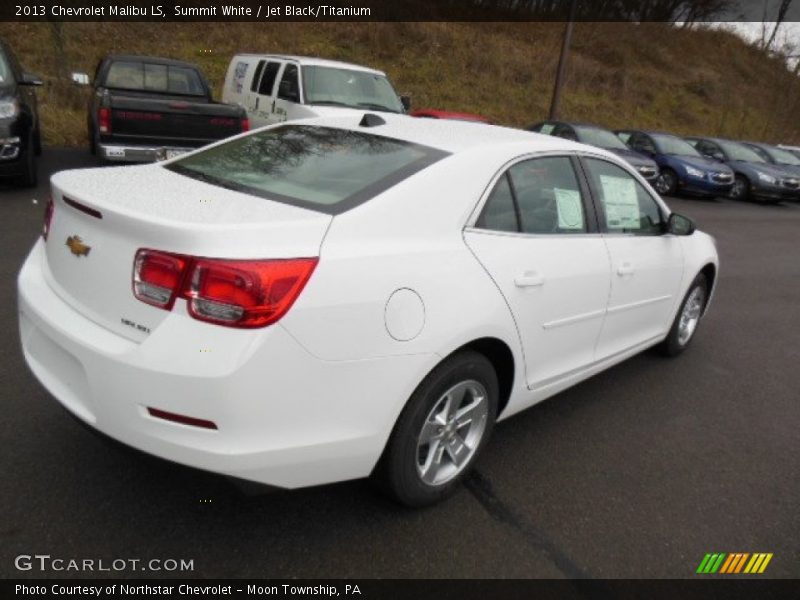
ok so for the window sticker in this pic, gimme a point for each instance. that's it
(547, 128)
(570, 211)
(621, 203)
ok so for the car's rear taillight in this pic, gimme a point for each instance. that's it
(49, 209)
(104, 120)
(245, 293)
(245, 125)
(157, 277)
(235, 293)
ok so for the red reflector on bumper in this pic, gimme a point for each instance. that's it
(168, 416)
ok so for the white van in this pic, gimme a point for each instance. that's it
(274, 88)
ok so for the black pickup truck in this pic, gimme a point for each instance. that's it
(145, 108)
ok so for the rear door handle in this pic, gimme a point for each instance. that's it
(529, 279)
(625, 268)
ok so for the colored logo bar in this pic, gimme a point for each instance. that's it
(734, 562)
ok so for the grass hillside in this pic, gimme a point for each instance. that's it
(619, 74)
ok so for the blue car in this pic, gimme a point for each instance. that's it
(681, 167)
(594, 135)
(754, 177)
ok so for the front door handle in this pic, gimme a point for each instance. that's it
(257, 99)
(529, 279)
(625, 268)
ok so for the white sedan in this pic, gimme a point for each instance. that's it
(344, 297)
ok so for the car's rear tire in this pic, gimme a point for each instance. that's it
(688, 318)
(666, 183)
(741, 188)
(29, 177)
(441, 431)
(37, 142)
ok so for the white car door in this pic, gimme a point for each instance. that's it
(646, 262)
(537, 238)
(287, 95)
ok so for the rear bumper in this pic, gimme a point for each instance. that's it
(130, 153)
(283, 416)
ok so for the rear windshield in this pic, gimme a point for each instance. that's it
(148, 77)
(324, 169)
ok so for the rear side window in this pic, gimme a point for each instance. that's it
(268, 79)
(500, 213)
(167, 79)
(257, 75)
(538, 196)
(320, 168)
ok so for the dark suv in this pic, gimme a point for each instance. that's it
(755, 177)
(594, 135)
(20, 138)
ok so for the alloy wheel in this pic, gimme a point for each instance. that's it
(690, 315)
(452, 432)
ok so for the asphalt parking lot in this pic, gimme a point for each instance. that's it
(638, 472)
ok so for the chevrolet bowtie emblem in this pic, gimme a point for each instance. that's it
(77, 247)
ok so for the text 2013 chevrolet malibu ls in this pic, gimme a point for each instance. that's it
(326, 300)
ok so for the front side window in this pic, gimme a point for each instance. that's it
(537, 196)
(347, 87)
(320, 168)
(289, 87)
(627, 206)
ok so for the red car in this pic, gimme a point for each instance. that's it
(432, 113)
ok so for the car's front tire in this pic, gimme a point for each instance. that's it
(29, 177)
(688, 318)
(441, 431)
(741, 188)
(666, 183)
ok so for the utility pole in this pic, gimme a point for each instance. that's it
(562, 61)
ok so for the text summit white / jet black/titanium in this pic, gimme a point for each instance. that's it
(343, 297)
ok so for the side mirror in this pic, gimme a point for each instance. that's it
(29, 79)
(680, 225)
(406, 102)
(80, 78)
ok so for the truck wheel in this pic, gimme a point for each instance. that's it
(37, 142)
(29, 178)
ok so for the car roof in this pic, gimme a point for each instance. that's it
(453, 136)
(159, 60)
(317, 62)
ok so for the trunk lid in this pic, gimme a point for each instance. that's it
(90, 257)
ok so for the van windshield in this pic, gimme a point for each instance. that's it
(321, 168)
(347, 87)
